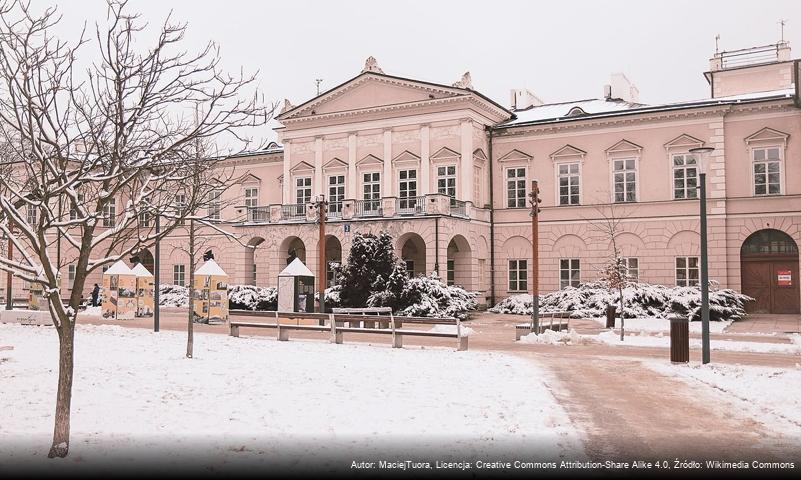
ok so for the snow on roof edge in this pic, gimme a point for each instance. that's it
(296, 269)
(211, 268)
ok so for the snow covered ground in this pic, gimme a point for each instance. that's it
(259, 401)
(654, 324)
(771, 395)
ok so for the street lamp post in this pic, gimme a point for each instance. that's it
(9, 278)
(156, 268)
(703, 154)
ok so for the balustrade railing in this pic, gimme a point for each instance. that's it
(368, 208)
(410, 205)
(295, 211)
(458, 208)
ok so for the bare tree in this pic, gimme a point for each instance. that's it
(113, 142)
(614, 272)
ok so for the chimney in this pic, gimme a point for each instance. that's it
(607, 92)
(623, 89)
(523, 98)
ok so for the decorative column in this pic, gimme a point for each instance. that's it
(424, 186)
(386, 190)
(287, 186)
(351, 190)
(318, 165)
(466, 177)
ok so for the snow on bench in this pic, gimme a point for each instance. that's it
(562, 323)
(388, 325)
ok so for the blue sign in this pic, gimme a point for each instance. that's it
(347, 228)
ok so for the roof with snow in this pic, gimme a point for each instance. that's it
(141, 271)
(594, 108)
(119, 268)
(296, 269)
(211, 268)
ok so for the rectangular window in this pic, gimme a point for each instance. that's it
(569, 272)
(685, 176)
(410, 268)
(253, 273)
(214, 204)
(179, 275)
(477, 187)
(767, 171)
(144, 218)
(251, 202)
(568, 184)
(31, 211)
(518, 275)
(336, 194)
(371, 184)
(70, 276)
(516, 187)
(451, 270)
(407, 191)
(303, 191)
(73, 211)
(180, 207)
(625, 179)
(109, 214)
(632, 268)
(446, 180)
(687, 271)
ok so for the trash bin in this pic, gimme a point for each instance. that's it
(679, 339)
(610, 316)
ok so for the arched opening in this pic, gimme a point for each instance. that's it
(413, 253)
(145, 258)
(333, 259)
(460, 263)
(769, 272)
(251, 260)
(291, 248)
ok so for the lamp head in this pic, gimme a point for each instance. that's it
(703, 156)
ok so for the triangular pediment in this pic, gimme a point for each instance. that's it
(515, 155)
(443, 153)
(624, 146)
(371, 90)
(406, 157)
(767, 135)
(335, 163)
(568, 151)
(479, 154)
(369, 160)
(250, 178)
(302, 167)
(684, 141)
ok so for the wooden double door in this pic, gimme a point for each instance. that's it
(773, 281)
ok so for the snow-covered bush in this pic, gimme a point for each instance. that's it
(250, 297)
(427, 297)
(590, 300)
(173, 296)
(332, 298)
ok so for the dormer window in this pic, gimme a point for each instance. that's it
(576, 112)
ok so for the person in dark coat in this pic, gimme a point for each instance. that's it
(95, 295)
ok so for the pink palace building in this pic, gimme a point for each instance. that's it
(446, 171)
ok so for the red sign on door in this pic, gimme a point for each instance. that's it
(784, 278)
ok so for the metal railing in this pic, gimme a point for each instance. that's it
(258, 214)
(458, 208)
(368, 208)
(295, 211)
(410, 205)
(750, 56)
(334, 210)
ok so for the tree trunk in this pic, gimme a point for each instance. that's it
(61, 430)
(620, 290)
(191, 323)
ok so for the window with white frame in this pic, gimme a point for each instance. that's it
(767, 170)
(451, 272)
(371, 191)
(407, 191)
(446, 180)
(477, 200)
(70, 276)
(632, 265)
(144, 218)
(74, 211)
(109, 213)
(336, 194)
(179, 275)
(409, 268)
(685, 176)
(31, 217)
(687, 271)
(569, 272)
(624, 176)
(251, 202)
(516, 187)
(303, 190)
(214, 205)
(180, 207)
(569, 183)
(518, 275)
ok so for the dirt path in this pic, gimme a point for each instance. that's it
(630, 412)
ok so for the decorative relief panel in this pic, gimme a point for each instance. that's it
(443, 132)
(369, 140)
(335, 144)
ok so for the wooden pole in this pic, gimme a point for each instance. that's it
(321, 270)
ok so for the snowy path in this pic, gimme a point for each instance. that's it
(256, 399)
(631, 411)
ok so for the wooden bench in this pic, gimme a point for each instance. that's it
(562, 323)
(336, 327)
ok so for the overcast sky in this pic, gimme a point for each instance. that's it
(561, 50)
